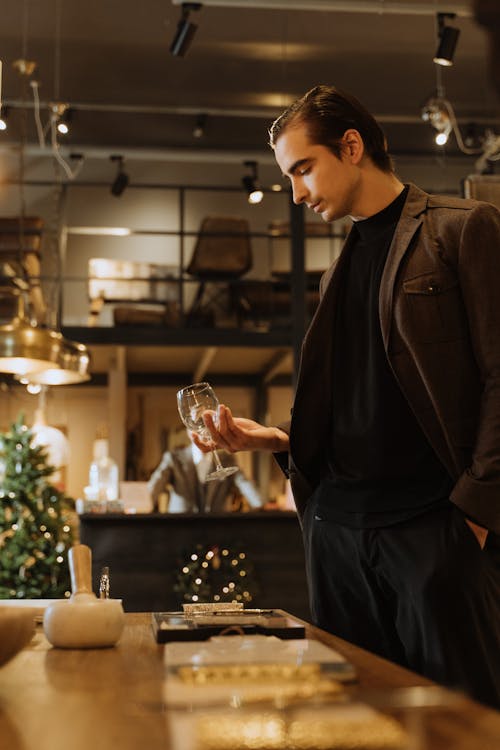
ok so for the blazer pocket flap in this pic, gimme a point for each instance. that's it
(429, 285)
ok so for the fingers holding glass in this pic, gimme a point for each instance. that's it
(198, 407)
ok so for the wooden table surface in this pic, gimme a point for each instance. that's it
(111, 699)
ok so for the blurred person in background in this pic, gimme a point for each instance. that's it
(178, 484)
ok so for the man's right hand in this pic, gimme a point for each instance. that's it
(239, 434)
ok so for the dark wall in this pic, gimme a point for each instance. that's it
(146, 554)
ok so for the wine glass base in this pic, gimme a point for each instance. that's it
(218, 474)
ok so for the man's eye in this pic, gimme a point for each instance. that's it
(304, 171)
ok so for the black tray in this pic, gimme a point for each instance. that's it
(177, 626)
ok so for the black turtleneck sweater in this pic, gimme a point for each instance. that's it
(381, 468)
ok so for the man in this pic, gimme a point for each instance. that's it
(394, 443)
(181, 478)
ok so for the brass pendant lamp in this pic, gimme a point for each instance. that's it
(40, 355)
(27, 348)
(71, 367)
(35, 353)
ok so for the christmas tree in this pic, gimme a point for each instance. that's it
(35, 533)
(216, 574)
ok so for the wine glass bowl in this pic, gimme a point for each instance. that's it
(192, 402)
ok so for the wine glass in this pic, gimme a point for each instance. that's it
(193, 401)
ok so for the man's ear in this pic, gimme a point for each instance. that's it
(353, 145)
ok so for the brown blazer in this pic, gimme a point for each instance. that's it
(440, 318)
(189, 495)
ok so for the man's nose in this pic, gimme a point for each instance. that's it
(299, 192)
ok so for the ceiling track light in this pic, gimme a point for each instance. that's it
(60, 116)
(64, 121)
(251, 183)
(439, 113)
(122, 179)
(448, 38)
(436, 113)
(4, 117)
(24, 67)
(185, 30)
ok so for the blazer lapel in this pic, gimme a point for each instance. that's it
(406, 229)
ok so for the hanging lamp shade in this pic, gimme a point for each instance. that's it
(72, 366)
(40, 355)
(25, 348)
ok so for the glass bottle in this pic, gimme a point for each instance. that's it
(103, 473)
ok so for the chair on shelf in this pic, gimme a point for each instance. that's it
(222, 253)
(267, 304)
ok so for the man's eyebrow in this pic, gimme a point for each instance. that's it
(298, 164)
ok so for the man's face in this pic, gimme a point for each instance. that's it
(327, 184)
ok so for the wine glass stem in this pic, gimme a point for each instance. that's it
(218, 465)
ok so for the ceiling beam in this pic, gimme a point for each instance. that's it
(204, 363)
(160, 336)
(379, 7)
(258, 113)
(147, 109)
(276, 364)
(142, 154)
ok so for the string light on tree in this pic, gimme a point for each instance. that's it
(216, 574)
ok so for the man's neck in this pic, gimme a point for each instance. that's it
(376, 191)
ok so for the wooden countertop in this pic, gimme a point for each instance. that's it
(213, 517)
(111, 699)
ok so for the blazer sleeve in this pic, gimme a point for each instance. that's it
(283, 457)
(477, 491)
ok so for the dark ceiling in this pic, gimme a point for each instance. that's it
(110, 61)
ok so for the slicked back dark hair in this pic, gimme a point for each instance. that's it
(327, 113)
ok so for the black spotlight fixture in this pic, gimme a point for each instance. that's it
(448, 38)
(251, 183)
(121, 180)
(185, 31)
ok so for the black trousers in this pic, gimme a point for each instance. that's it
(421, 593)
